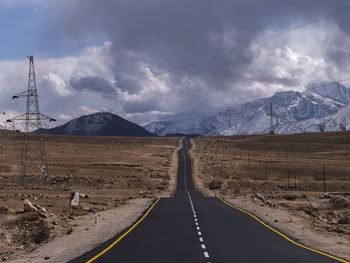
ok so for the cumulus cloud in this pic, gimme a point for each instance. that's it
(170, 61)
(56, 82)
(56, 93)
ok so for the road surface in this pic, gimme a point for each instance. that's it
(190, 227)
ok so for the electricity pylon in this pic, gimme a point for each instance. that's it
(33, 161)
(272, 124)
(1, 147)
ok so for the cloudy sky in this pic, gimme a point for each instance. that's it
(165, 59)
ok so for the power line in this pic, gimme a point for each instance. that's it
(272, 125)
(246, 46)
(343, 80)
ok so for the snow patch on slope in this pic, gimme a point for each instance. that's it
(323, 106)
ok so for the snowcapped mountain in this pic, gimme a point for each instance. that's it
(155, 127)
(323, 106)
(190, 126)
(339, 121)
(100, 124)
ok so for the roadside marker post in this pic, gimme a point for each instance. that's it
(74, 201)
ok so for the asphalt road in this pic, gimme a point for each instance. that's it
(193, 228)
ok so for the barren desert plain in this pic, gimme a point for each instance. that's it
(300, 184)
(108, 172)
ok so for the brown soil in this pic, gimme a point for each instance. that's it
(278, 162)
(110, 171)
(286, 176)
(87, 234)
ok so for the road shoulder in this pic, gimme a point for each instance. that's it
(87, 234)
(297, 228)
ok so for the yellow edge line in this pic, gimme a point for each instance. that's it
(192, 167)
(283, 235)
(124, 235)
(176, 180)
(178, 169)
(176, 185)
(193, 181)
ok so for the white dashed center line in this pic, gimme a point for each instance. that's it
(201, 240)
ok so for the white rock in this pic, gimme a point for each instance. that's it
(29, 207)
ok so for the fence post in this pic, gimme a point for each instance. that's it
(324, 177)
(295, 172)
(288, 173)
(248, 159)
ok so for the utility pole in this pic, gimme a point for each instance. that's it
(324, 178)
(248, 159)
(33, 160)
(288, 159)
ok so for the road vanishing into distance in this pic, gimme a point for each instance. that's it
(191, 228)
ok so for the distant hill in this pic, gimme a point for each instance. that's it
(100, 124)
(181, 135)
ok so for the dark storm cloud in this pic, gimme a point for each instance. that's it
(94, 84)
(141, 107)
(152, 37)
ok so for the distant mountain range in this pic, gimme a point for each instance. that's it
(322, 107)
(100, 124)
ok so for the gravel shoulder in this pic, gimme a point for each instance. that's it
(87, 234)
(309, 218)
(298, 227)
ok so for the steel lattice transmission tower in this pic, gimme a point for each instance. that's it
(33, 161)
(272, 124)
